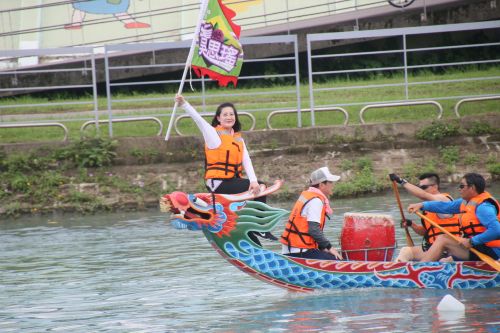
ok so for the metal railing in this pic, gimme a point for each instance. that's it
(474, 99)
(131, 49)
(392, 105)
(25, 125)
(22, 78)
(288, 41)
(403, 64)
(123, 120)
(404, 45)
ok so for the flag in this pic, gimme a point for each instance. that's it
(218, 53)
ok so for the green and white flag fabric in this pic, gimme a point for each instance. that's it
(218, 53)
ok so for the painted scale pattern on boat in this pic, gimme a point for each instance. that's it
(343, 275)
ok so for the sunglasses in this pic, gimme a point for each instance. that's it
(425, 187)
(462, 186)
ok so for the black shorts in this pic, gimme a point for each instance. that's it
(483, 249)
(313, 254)
(235, 186)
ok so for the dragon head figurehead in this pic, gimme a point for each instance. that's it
(223, 215)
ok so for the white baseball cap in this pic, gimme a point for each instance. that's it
(321, 175)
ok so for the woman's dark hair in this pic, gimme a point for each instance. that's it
(477, 180)
(237, 124)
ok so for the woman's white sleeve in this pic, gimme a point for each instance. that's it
(247, 165)
(212, 139)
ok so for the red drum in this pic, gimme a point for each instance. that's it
(367, 237)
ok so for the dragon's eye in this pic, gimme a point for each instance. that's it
(200, 202)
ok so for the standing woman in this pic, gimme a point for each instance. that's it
(226, 155)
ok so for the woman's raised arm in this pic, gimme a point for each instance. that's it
(212, 139)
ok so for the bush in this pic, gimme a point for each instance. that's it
(450, 155)
(3, 158)
(364, 163)
(438, 130)
(346, 165)
(19, 183)
(471, 159)
(412, 171)
(362, 181)
(479, 128)
(26, 163)
(494, 169)
(79, 197)
(89, 153)
(145, 156)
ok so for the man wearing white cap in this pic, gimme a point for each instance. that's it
(303, 236)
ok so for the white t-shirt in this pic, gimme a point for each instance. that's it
(312, 212)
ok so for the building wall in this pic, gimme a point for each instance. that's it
(60, 22)
(54, 23)
(257, 18)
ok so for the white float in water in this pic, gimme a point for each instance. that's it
(450, 303)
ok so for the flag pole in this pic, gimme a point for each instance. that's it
(203, 9)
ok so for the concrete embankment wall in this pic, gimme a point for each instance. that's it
(335, 141)
(291, 154)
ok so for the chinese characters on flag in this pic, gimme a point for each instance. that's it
(218, 52)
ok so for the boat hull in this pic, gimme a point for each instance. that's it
(309, 274)
(228, 221)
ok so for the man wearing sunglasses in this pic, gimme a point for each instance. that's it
(427, 189)
(479, 222)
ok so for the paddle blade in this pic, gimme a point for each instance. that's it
(409, 240)
(487, 259)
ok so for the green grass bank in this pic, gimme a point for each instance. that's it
(450, 83)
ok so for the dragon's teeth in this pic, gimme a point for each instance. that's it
(165, 205)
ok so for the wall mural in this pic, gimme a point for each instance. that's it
(53, 23)
(117, 8)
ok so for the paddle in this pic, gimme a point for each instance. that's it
(484, 257)
(409, 241)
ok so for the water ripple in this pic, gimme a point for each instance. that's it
(135, 273)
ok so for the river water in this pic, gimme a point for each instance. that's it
(134, 272)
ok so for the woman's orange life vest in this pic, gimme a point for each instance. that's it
(469, 222)
(225, 161)
(296, 232)
(447, 221)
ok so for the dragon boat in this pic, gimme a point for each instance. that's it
(226, 221)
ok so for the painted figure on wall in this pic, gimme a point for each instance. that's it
(117, 8)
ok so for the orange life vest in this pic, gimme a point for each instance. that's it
(225, 161)
(296, 230)
(469, 222)
(447, 221)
